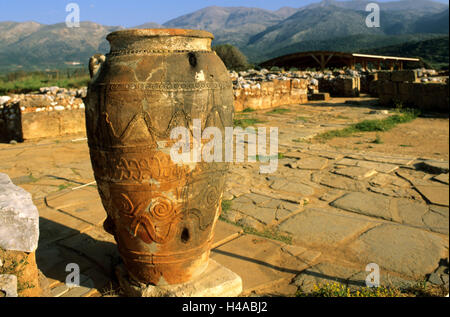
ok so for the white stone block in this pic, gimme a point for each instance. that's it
(19, 218)
(8, 285)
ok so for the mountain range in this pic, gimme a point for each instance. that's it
(260, 34)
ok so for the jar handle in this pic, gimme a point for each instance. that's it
(95, 63)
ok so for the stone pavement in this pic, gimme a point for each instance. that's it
(323, 216)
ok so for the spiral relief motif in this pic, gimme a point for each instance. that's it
(162, 209)
(211, 196)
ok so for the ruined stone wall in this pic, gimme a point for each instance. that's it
(18, 126)
(270, 94)
(366, 81)
(341, 86)
(51, 112)
(407, 88)
(56, 112)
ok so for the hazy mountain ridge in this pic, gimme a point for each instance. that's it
(234, 25)
(259, 33)
(51, 46)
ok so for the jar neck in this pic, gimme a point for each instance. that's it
(160, 40)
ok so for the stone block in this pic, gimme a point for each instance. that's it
(388, 88)
(8, 285)
(216, 281)
(319, 227)
(52, 123)
(384, 76)
(404, 76)
(19, 218)
(320, 96)
(407, 251)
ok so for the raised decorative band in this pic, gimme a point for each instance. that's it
(166, 258)
(167, 86)
(152, 52)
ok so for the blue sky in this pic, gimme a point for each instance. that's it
(127, 13)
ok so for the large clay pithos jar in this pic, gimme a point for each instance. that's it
(161, 213)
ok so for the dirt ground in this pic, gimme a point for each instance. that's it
(423, 137)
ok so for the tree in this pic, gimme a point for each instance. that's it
(231, 56)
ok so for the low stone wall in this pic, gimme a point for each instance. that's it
(270, 94)
(17, 125)
(55, 112)
(407, 88)
(341, 87)
(366, 82)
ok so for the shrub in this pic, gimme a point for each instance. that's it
(231, 56)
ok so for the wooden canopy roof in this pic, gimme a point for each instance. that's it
(329, 59)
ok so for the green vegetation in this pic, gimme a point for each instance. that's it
(246, 122)
(434, 52)
(304, 119)
(266, 158)
(278, 111)
(246, 110)
(32, 178)
(226, 205)
(23, 82)
(339, 290)
(421, 289)
(271, 234)
(371, 125)
(231, 56)
(361, 43)
(64, 186)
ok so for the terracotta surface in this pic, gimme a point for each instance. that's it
(161, 214)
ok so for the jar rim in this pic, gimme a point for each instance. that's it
(160, 33)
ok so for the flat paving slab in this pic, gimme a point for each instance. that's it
(225, 232)
(55, 225)
(83, 203)
(435, 194)
(408, 251)
(319, 227)
(96, 245)
(259, 261)
(366, 204)
(356, 172)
